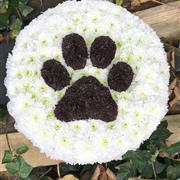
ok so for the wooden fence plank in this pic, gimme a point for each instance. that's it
(164, 19)
(174, 127)
(33, 156)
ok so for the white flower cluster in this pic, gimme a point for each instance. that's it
(32, 101)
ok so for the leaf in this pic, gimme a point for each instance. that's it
(24, 9)
(45, 178)
(119, 2)
(15, 28)
(4, 4)
(24, 168)
(159, 167)
(12, 167)
(3, 111)
(13, 3)
(8, 156)
(69, 169)
(158, 136)
(112, 165)
(147, 172)
(171, 173)
(139, 158)
(86, 168)
(177, 166)
(38, 171)
(24, 1)
(4, 19)
(171, 149)
(28, 178)
(124, 173)
(22, 148)
(161, 133)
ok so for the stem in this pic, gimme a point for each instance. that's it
(153, 158)
(7, 137)
(58, 172)
(19, 14)
(170, 47)
(154, 171)
(45, 173)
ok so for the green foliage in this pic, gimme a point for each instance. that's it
(44, 178)
(126, 172)
(3, 5)
(146, 161)
(159, 167)
(18, 167)
(24, 168)
(171, 149)
(162, 133)
(77, 170)
(12, 167)
(69, 169)
(22, 148)
(119, 2)
(16, 9)
(15, 164)
(8, 156)
(24, 8)
(15, 28)
(140, 159)
(156, 139)
(171, 172)
(3, 109)
(4, 19)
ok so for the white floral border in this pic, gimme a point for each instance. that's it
(32, 102)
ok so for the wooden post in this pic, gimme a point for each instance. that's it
(164, 19)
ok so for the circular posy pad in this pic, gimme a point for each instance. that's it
(87, 81)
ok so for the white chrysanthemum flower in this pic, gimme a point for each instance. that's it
(139, 109)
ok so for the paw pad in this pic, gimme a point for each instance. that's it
(55, 75)
(87, 97)
(120, 77)
(74, 51)
(103, 50)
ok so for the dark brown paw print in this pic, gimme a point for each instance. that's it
(87, 98)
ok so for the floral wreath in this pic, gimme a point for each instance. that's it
(87, 82)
